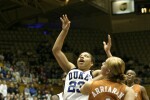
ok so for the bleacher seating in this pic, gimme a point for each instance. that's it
(132, 44)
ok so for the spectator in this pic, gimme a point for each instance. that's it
(1, 96)
(16, 88)
(11, 89)
(16, 74)
(24, 79)
(33, 90)
(4, 88)
(27, 90)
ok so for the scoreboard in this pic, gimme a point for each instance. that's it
(130, 6)
(142, 6)
(122, 6)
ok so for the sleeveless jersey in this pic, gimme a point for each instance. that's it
(60, 95)
(137, 91)
(107, 90)
(74, 80)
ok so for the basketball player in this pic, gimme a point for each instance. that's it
(111, 87)
(77, 75)
(60, 95)
(140, 91)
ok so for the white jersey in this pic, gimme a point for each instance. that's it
(60, 95)
(74, 80)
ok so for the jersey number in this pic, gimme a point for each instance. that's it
(73, 86)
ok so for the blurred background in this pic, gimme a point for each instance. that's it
(29, 28)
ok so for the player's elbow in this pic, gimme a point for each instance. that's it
(55, 50)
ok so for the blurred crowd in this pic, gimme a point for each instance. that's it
(33, 79)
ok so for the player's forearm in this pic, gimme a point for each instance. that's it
(108, 53)
(60, 40)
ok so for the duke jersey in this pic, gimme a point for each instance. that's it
(107, 90)
(74, 80)
(137, 91)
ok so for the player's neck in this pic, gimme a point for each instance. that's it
(84, 70)
(130, 84)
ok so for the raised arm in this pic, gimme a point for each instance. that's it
(144, 93)
(57, 48)
(97, 73)
(107, 46)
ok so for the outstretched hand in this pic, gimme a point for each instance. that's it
(65, 22)
(107, 46)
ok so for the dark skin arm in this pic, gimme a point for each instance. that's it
(144, 93)
(57, 48)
